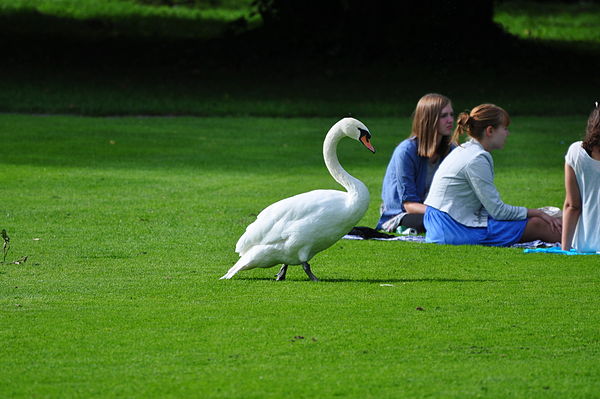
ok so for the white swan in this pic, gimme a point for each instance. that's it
(293, 230)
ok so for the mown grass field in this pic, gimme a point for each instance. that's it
(129, 215)
(129, 222)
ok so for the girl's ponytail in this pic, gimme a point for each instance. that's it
(462, 126)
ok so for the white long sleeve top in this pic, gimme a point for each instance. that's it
(463, 187)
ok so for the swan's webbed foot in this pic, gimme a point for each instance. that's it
(308, 272)
(281, 275)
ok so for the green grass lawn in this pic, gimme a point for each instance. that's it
(292, 91)
(129, 222)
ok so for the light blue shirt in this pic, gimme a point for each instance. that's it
(463, 187)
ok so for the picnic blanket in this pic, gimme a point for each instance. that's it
(366, 233)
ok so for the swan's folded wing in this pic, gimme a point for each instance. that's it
(302, 214)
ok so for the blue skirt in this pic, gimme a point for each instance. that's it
(442, 229)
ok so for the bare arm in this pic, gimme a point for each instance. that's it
(571, 209)
(414, 207)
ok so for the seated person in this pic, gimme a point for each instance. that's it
(414, 162)
(464, 206)
(581, 212)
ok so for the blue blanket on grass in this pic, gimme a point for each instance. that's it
(537, 246)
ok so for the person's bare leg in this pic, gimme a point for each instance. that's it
(538, 229)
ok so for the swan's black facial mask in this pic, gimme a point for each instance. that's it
(365, 138)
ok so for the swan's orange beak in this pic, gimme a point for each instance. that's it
(365, 140)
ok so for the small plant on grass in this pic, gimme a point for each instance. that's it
(6, 248)
(5, 245)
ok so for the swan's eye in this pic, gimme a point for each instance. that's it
(364, 132)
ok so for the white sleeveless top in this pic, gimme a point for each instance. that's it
(587, 172)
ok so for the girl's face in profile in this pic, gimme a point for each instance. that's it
(446, 121)
(498, 137)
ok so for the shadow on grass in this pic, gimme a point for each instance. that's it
(226, 144)
(132, 66)
(408, 280)
(376, 281)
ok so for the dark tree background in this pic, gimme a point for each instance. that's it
(299, 33)
(381, 25)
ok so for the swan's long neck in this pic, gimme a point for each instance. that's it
(357, 190)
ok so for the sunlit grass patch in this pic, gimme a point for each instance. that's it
(92, 19)
(576, 23)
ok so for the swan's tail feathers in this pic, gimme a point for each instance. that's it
(239, 265)
(229, 274)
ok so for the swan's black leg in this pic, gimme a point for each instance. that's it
(308, 272)
(281, 275)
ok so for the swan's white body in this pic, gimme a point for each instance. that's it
(293, 230)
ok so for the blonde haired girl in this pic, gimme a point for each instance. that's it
(414, 162)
